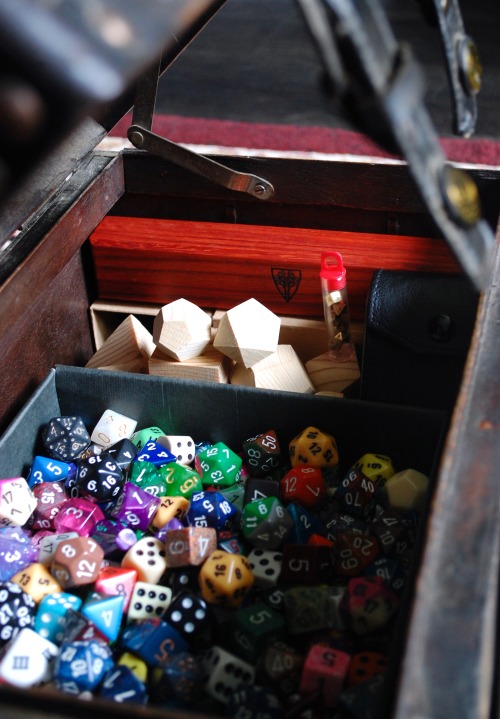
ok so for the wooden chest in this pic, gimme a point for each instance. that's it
(450, 647)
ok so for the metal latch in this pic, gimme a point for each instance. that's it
(381, 90)
(462, 61)
(141, 136)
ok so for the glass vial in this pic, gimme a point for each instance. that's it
(336, 307)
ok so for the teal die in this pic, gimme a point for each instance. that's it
(50, 619)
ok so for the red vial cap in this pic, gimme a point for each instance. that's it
(333, 270)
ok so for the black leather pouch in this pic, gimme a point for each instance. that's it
(417, 334)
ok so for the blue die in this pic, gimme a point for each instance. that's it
(121, 685)
(82, 665)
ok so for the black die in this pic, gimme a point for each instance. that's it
(65, 437)
(189, 615)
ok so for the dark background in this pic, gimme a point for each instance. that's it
(255, 62)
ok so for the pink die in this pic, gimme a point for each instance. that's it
(324, 668)
(78, 515)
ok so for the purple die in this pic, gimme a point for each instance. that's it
(173, 524)
(211, 509)
(114, 536)
(16, 551)
(78, 515)
(156, 454)
(65, 437)
(17, 611)
(135, 507)
(82, 665)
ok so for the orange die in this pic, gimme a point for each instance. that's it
(225, 578)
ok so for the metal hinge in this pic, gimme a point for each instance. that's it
(462, 61)
(141, 136)
(381, 90)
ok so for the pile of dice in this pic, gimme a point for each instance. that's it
(255, 582)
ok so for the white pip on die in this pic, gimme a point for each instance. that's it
(180, 445)
(17, 502)
(112, 427)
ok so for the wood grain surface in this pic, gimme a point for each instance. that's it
(220, 265)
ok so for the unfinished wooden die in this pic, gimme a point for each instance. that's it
(282, 370)
(181, 330)
(128, 348)
(248, 333)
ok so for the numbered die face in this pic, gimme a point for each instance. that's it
(17, 611)
(189, 546)
(50, 496)
(65, 437)
(77, 562)
(218, 466)
(367, 604)
(136, 507)
(112, 427)
(211, 509)
(82, 665)
(303, 484)
(356, 494)
(262, 453)
(181, 446)
(45, 469)
(355, 551)
(123, 452)
(26, 661)
(78, 515)
(99, 478)
(225, 579)
(17, 502)
(266, 523)
(155, 453)
(377, 467)
(314, 447)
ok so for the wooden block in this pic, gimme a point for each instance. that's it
(282, 370)
(248, 333)
(128, 344)
(330, 375)
(211, 366)
(106, 316)
(182, 330)
(220, 264)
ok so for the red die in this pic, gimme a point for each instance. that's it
(368, 604)
(364, 666)
(324, 668)
(355, 550)
(303, 484)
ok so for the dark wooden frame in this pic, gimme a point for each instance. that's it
(449, 664)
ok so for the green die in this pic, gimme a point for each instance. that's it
(143, 436)
(218, 466)
(234, 494)
(265, 523)
(253, 627)
(181, 481)
(145, 475)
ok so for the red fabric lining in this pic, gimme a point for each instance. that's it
(261, 136)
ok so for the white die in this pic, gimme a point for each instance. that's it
(17, 502)
(49, 544)
(180, 445)
(147, 557)
(26, 659)
(112, 427)
(148, 601)
(266, 566)
(224, 672)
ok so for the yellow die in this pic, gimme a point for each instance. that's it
(314, 447)
(407, 490)
(37, 581)
(170, 508)
(376, 467)
(137, 666)
(225, 578)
